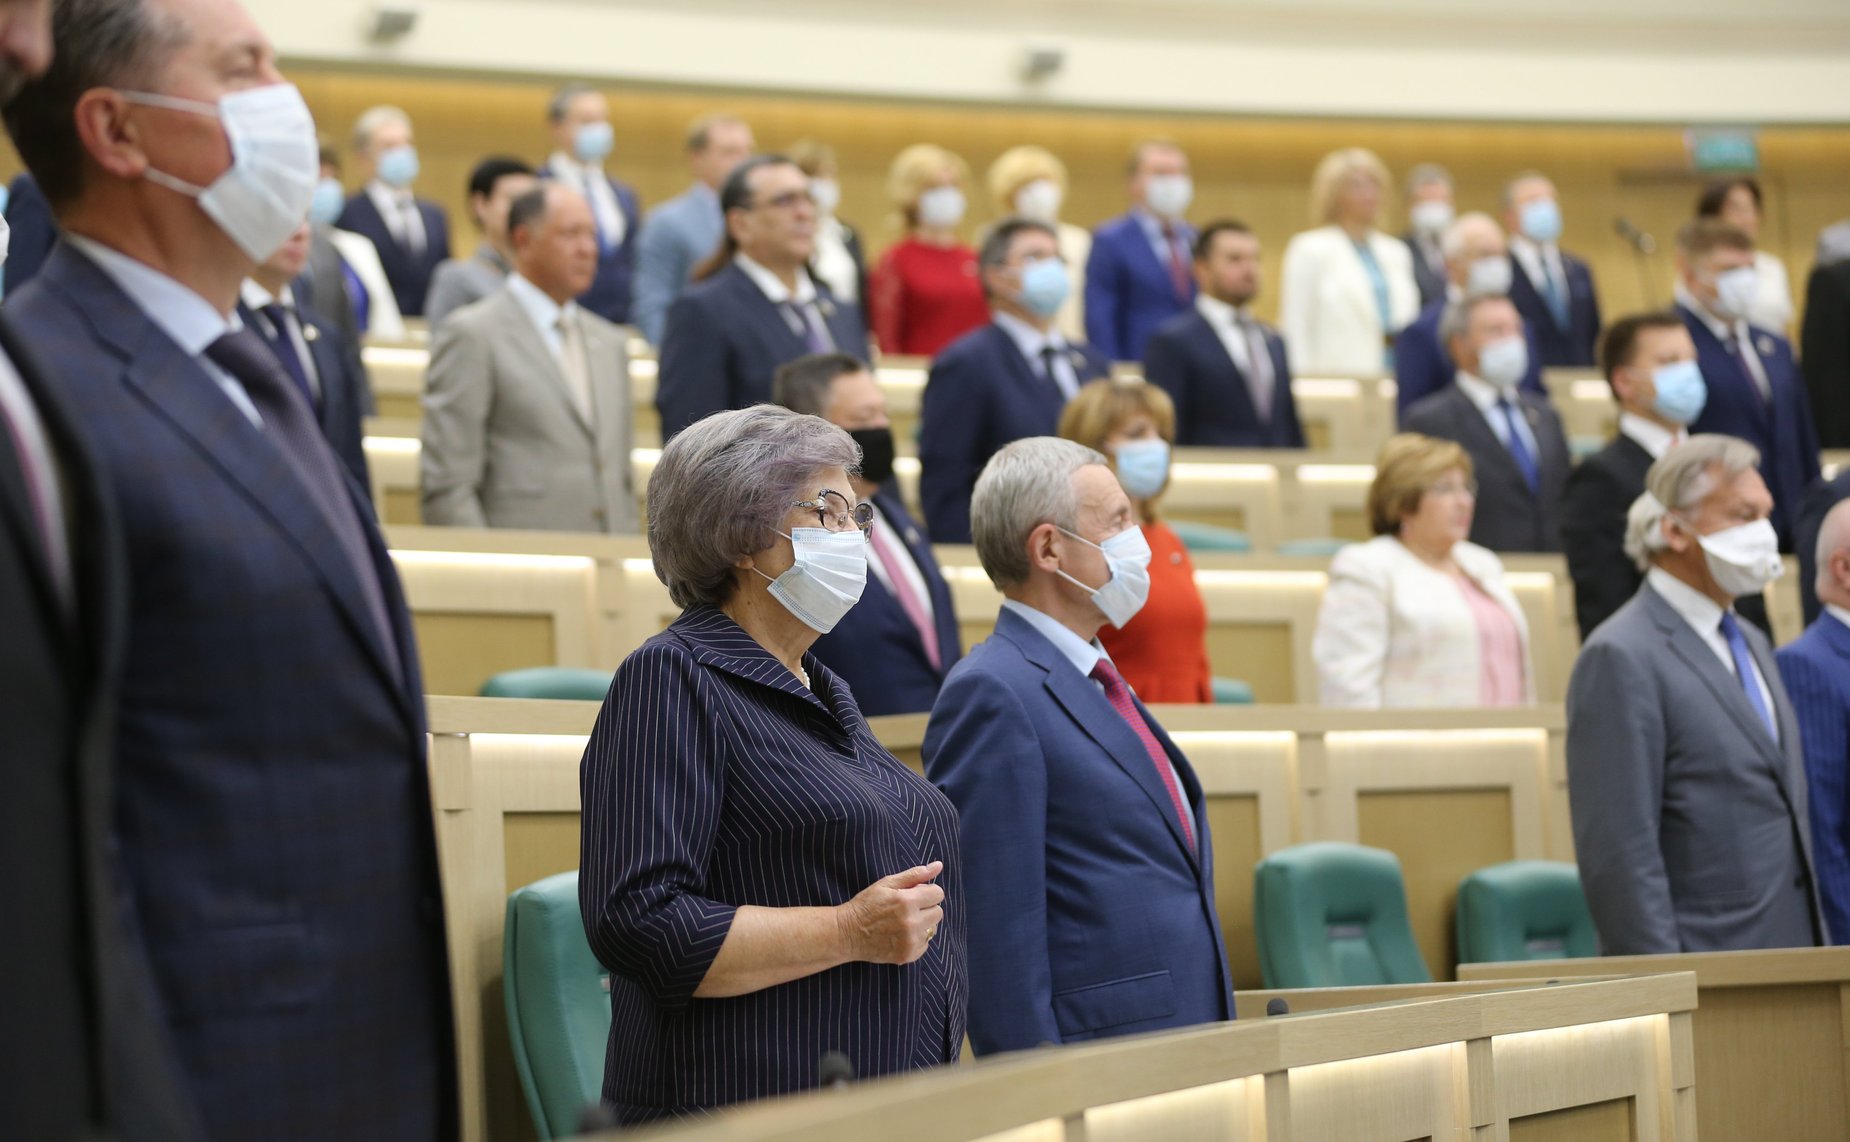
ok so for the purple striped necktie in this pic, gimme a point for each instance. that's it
(1119, 695)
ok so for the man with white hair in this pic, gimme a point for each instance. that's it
(412, 234)
(1477, 264)
(1684, 770)
(1090, 896)
(1430, 210)
(1816, 671)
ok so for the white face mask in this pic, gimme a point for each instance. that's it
(1735, 291)
(6, 238)
(1743, 558)
(941, 206)
(1124, 594)
(827, 578)
(827, 193)
(264, 194)
(1503, 363)
(1431, 218)
(1488, 277)
(1169, 194)
(1040, 200)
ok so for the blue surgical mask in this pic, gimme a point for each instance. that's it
(593, 142)
(1681, 392)
(330, 199)
(1541, 221)
(398, 167)
(1143, 466)
(1044, 286)
(1503, 363)
(827, 578)
(1124, 594)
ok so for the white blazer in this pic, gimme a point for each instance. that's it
(382, 317)
(1395, 631)
(1327, 307)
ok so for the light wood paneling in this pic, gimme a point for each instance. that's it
(1600, 1122)
(1476, 834)
(540, 845)
(459, 652)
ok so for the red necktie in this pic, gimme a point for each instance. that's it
(902, 590)
(1119, 695)
(1178, 267)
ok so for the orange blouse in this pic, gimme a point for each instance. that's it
(1163, 652)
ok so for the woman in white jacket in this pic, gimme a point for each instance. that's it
(1417, 616)
(1348, 289)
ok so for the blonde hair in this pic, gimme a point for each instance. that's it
(1019, 166)
(1337, 166)
(913, 170)
(1102, 407)
(1409, 464)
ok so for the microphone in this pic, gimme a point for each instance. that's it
(1276, 1006)
(836, 1072)
(1639, 240)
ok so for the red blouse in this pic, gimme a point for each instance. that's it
(924, 297)
(1163, 652)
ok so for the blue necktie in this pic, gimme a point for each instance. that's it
(283, 345)
(1552, 294)
(1744, 670)
(1525, 460)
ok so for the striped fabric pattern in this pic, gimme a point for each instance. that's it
(713, 779)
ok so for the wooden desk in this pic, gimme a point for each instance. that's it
(1772, 1035)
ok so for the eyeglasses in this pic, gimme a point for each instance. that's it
(833, 513)
(1454, 488)
(789, 200)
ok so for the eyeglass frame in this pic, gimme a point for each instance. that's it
(860, 516)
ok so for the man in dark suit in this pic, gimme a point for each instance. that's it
(322, 363)
(1137, 276)
(1754, 388)
(1552, 288)
(1476, 262)
(1225, 369)
(274, 819)
(1430, 211)
(411, 234)
(1816, 671)
(582, 141)
(902, 637)
(1636, 351)
(1002, 382)
(1087, 864)
(1824, 344)
(1518, 450)
(32, 231)
(1819, 499)
(728, 335)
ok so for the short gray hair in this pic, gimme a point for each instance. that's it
(371, 120)
(1517, 179)
(1679, 481)
(723, 487)
(562, 99)
(1455, 321)
(1833, 536)
(1027, 484)
(1425, 174)
(1452, 243)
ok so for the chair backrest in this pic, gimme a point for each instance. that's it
(1334, 915)
(568, 682)
(1231, 691)
(1209, 537)
(1524, 910)
(1324, 547)
(558, 1004)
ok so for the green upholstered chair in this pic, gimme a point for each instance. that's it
(1231, 692)
(1524, 910)
(570, 682)
(1322, 548)
(558, 1004)
(1207, 537)
(1334, 915)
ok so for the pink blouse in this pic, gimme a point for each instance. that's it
(1499, 648)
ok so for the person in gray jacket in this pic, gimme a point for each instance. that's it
(527, 401)
(494, 184)
(1684, 770)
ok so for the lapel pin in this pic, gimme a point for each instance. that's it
(1765, 345)
(310, 334)
(826, 306)
(912, 537)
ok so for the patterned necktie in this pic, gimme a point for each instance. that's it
(40, 492)
(1554, 294)
(282, 341)
(412, 225)
(1744, 671)
(886, 549)
(1738, 347)
(1178, 265)
(1519, 449)
(1259, 379)
(576, 367)
(1119, 695)
(815, 336)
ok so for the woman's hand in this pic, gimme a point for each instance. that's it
(893, 920)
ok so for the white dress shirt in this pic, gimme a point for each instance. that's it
(1705, 618)
(1541, 263)
(1486, 397)
(802, 299)
(256, 297)
(543, 311)
(1649, 435)
(1032, 342)
(908, 565)
(399, 208)
(1225, 320)
(594, 184)
(1726, 331)
(185, 317)
(34, 444)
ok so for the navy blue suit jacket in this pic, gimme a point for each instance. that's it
(1423, 367)
(274, 815)
(1816, 671)
(725, 340)
(408, 274)
(34, 232)
(981, 395)
(1575, 344)
(1214, 404)
(1089, 916)
(343, 387)
(1129, 293)
(876, 649)
(1819, 500)
(611, 291)
(1780, 428)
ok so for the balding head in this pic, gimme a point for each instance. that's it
(554, 239)
(1833, 584)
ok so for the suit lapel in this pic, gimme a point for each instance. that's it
(717, 641)
(1239, 396)
(944, 620)
(1722, 683)
(1471, 423)
(19, 518)
(525, 335)
(610, 389)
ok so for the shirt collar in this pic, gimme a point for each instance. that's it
(1153, 223)
(773, 287)
(1082, 654)
(1527, 247)
(1697, 609)
(491, 257)
(187, 318)
(1483, 394)
(543, 310)
(387, 197)
(574, 172)
(1026, 337)
(1651, 436)
(256, 296)
(1219, 312)
(1722, 329)
(1841, 614)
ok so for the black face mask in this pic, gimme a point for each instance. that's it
(876, 453)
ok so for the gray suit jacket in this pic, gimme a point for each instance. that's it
(1510, 517)
(504, 445)
(457, 282)
(1690, 822)
(676, 236)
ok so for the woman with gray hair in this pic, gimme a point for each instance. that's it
(765, 882)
